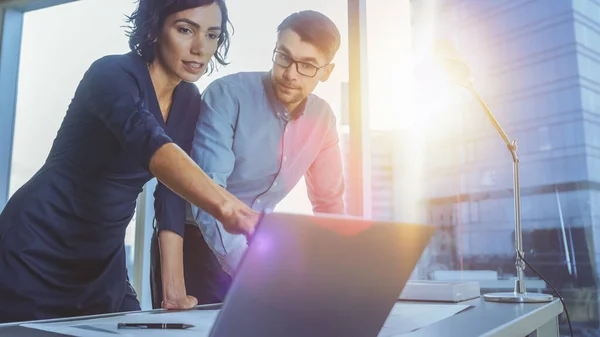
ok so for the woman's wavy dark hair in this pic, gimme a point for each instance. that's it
(146, 22)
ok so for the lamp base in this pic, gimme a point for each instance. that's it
(513, 297)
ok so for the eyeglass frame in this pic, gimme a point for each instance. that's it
(293, 61)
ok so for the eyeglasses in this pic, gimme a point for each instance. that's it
(303, 68)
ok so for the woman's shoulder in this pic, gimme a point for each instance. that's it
(189, 92)
(117, 68)
(118, 61)
(115, 74)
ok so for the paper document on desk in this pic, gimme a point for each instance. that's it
(71, 329)
(404, 318)
(407, 317)
(202, 320)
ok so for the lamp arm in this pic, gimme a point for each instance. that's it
(512, 146)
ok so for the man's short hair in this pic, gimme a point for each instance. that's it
(314, 28)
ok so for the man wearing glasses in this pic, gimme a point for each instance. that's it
(258, 133)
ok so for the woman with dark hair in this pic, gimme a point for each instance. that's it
(132, 118)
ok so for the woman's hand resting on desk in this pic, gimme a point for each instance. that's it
(182, 303)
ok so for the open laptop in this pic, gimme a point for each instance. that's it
(310, 276)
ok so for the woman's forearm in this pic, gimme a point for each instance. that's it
(174, 168)
(171, 260)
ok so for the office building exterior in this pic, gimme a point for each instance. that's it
(537, 65)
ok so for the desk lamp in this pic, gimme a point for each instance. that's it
(458, 72)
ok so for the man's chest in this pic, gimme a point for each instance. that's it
(274, 147)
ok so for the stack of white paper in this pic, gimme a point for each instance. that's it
(440, 291)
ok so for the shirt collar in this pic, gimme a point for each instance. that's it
(279, 110)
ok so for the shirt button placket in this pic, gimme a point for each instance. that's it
(285, 133)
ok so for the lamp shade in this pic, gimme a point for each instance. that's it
(446, 55)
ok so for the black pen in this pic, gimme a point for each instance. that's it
(154, 325)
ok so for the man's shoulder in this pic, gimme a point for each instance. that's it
(237, 82)
(318, 101)
(319, 106)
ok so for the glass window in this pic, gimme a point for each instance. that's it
(558, 200)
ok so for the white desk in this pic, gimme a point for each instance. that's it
(491, 319)
(485, 319)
